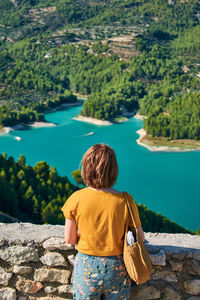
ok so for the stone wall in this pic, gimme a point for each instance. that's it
(35, 263)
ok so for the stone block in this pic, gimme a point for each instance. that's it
(7, 294)
(28, 286)
(1, 241)
(179, 255)
(194, 255)
(193, 298)
(144, 292)
(159, 258)
(63, 289)
(193, 267)
(71, 259)
(170, 293)
(22, 269)
(4, 277)
(192, 286)
(50, 289)
(53, 259)
(52, 275)
(48, 298)
(57, 243)
(19, 254)
(176, 265)
(164, 275)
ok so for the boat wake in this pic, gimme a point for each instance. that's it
(87, 134)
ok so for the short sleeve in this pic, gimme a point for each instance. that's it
(135, 212)
(69, 209)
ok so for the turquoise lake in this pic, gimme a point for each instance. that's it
(165, 182)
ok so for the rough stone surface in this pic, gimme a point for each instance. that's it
(176, 265)
(145, 292)
(192, 286)
(71, 259)
(159, 258)
(21, 269)
(63, 289)
(1, 241)
(48, 298)
(4, 277)
(29, 232)
(50, 289)
(174, 242)
(19, 254)
(176, 260)
(194, 255)
(179, 255)
(56, 243)
(170, 293)
(52, 275)
(193, 267)
(7, 294)
(164, 275)
(28, 286)
(53, 259)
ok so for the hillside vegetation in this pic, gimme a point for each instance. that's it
(137, 55)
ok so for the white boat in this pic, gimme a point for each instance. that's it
(90, 133)
(87, 134)
(18, 138)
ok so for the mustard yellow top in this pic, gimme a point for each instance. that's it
(101, 218)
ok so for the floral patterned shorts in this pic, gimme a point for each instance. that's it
(100, 277)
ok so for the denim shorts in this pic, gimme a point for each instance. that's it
(100, 277)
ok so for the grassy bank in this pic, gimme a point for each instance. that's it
(179, 144)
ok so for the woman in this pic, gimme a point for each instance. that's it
(96, 218)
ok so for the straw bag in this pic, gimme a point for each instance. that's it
(136, 256)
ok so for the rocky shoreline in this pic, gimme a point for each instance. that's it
(142, 133)
(92, 120)
(7, 130)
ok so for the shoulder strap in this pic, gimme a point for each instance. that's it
(129, 208)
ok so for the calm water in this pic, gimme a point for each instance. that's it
(165, 182)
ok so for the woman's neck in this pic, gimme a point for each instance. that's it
(106, 190)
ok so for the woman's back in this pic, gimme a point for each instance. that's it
(101, 218)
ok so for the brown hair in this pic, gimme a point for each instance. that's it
(99, 166)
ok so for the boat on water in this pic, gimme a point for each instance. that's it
(87, 134)
(90, 133)
(18, 138)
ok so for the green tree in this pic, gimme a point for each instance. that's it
(77, 177)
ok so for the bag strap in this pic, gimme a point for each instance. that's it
(129, 209)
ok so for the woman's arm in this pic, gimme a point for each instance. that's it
(141, 233)
(71, 234)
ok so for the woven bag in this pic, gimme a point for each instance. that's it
(136, 257)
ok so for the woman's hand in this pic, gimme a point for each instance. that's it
(71, 234)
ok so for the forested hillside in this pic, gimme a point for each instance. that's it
(36, 194)
(138, 55)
